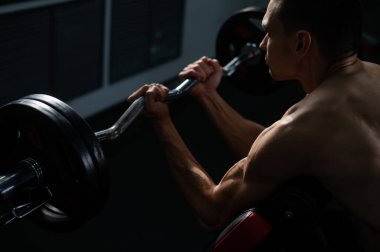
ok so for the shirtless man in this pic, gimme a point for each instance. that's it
(333, 134)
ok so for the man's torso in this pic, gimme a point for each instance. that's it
(341, 122)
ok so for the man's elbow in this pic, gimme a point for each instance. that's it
(213, 223)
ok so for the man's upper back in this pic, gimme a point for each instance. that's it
(341, 120)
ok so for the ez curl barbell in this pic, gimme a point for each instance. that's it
(53, 166)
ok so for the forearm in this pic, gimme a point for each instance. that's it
(239, 132)
(193, 180)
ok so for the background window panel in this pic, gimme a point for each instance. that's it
(144, 34)
(167, 23)
(77, 36)
(25, 53)
(130, 35)
(370, 49)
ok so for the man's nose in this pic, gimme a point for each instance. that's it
(263, 43)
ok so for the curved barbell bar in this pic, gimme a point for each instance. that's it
(248, 52)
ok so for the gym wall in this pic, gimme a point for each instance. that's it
(94, 53)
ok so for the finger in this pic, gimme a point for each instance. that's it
(206, 67)
(156, 93)
(189, 73)
(139, 92)
(151, 97)
(215, 64)
(199, 68)
(162, 92)
(194, 71)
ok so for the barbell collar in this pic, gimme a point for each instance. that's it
(27, 176)
(248, 52)
(35, 200)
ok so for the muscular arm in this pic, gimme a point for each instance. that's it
(239, 132)
(192, 179)
(247, 182)
(269, 163)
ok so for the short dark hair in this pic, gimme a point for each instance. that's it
(335, 24)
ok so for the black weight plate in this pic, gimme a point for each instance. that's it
(34, 129)
(243, 27)
(84, 131)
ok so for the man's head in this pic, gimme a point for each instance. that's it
(334, 25)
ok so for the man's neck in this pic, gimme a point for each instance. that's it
(319, 71)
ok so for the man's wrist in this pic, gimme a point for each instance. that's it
(159, 121)
(206, 96)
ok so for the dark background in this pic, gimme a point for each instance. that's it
(145, 210)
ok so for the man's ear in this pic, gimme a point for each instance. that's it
(303, 42)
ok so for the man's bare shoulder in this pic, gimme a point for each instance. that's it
(372, 67)
(291, 140)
